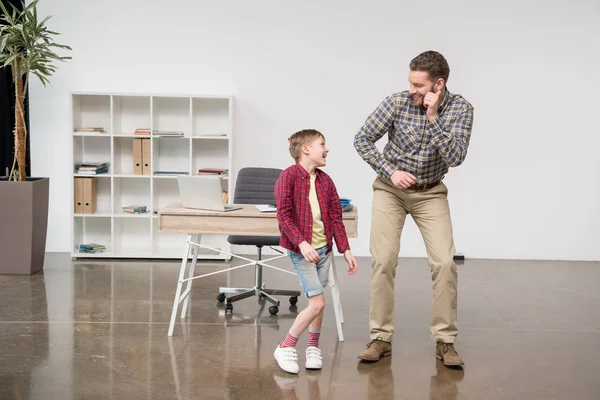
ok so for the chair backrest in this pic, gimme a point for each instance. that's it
(256, 185)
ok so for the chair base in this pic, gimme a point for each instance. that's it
(260, 292)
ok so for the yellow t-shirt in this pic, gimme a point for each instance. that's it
(318, 234)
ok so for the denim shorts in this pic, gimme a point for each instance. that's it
(313, 277)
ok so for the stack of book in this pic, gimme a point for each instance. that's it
(142, 131)
(86, 168)
(91, 248)
(134, 209)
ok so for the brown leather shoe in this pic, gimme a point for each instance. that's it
(447, 353)
(375, 350)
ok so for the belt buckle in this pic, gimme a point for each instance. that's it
(419, 186)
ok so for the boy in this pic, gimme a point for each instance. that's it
(309, 214)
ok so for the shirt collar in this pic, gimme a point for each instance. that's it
(304, 173)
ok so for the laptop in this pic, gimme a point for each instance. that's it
(202, 193)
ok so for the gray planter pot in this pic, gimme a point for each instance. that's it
(23, 225)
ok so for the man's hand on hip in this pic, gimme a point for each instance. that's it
(402, 179)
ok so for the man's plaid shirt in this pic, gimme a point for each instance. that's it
(416, 145)
(294, 214)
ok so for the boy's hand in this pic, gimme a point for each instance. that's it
(309, 253)
(352, 264)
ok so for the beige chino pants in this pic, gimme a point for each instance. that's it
(431, 213)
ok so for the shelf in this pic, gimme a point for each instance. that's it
(131, 176)
(209, 154)
(104, 254)
(210, 117)
(170, 154)
(131, 135)
(206, 123)
(207, 137)
(91, 229)
(90, 134)
(128, 192)
(103, 196)
(103, 207)
(171, 114)
(130, 113)
(91, 149)
(132, 236)
(90, 111)
(133, 215)
(123, 156)
(105, 175)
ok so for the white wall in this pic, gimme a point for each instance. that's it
(529, 187)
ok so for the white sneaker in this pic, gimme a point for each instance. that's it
(313, 358)
(287, 358)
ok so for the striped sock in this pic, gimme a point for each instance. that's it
(313, 337)
(290, 340)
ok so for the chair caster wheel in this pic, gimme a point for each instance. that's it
(273, 310)
(221, 297)
(293, 300)
(228, 308)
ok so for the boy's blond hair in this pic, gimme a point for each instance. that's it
(300, 138)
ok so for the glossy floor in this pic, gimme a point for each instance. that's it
(79, 330)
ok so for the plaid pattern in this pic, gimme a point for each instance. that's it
(415, 145)
(294, 214)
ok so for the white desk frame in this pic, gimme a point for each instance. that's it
(248, 221)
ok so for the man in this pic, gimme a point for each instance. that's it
(428, 130)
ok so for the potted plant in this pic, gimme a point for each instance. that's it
(26, 46)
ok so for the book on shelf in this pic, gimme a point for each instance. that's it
(94, 129)
(134, 209)
(86, 168)
(91, 248)
(212, 171)
(142, 131)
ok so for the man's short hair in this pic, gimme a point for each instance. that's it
(433, 63)
(300, 138)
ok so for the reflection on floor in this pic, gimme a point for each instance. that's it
(98, 330)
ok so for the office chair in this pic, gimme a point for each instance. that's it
(256, 186)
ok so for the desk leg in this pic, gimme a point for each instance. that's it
(179, 284)
(339, 299)
(188, 288)
(335, 292)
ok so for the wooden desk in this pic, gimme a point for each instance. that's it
(246, 221)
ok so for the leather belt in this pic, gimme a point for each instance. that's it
(419, 187)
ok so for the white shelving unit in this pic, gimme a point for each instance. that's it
(207, 143)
